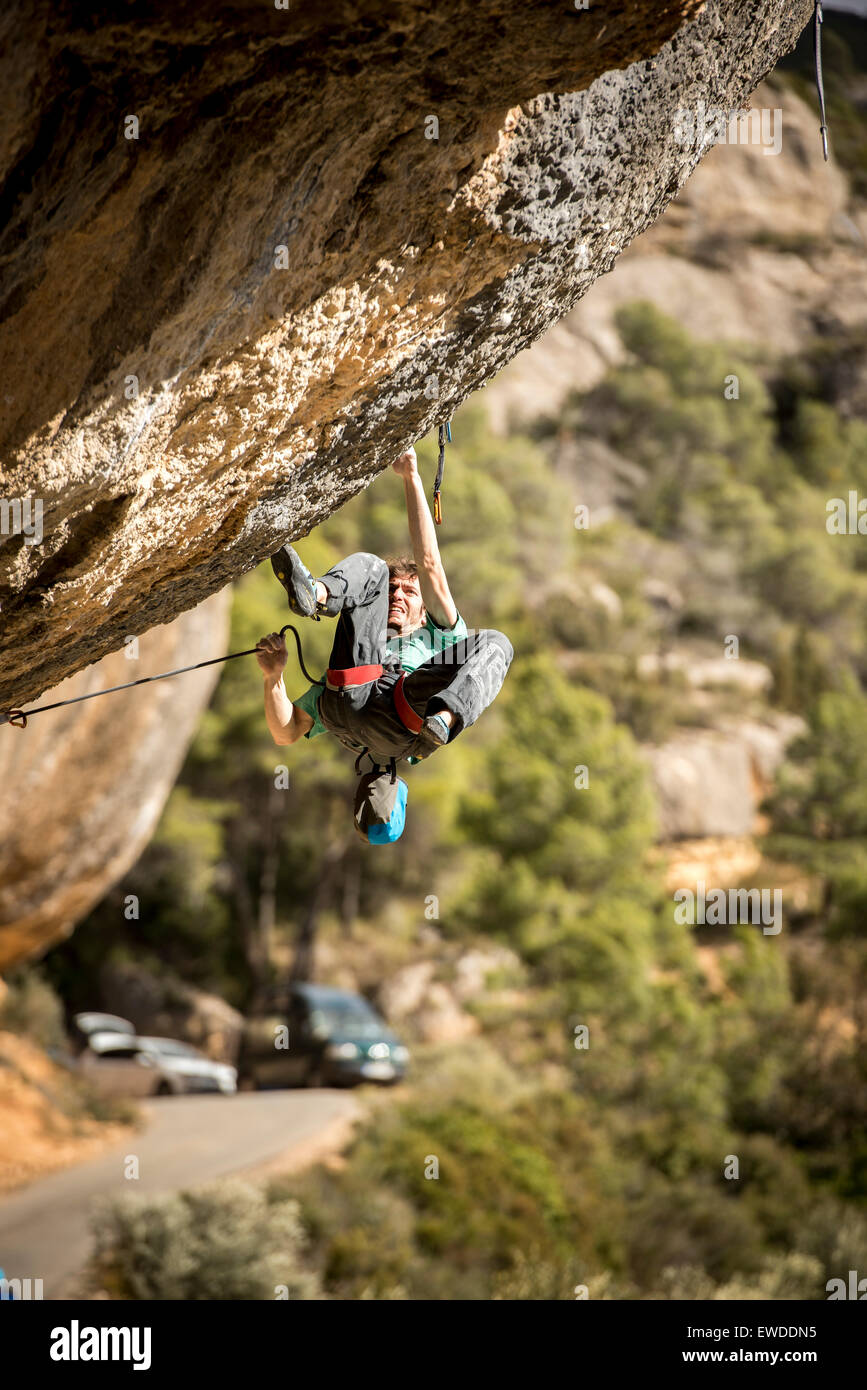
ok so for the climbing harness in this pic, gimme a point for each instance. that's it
(344, 678)
(19, 717)
(405, 712)
(348, 677)
(818, 20)
(445, 433)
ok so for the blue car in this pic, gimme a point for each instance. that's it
(317, 1036)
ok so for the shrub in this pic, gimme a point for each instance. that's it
(223, 1242)
(32, 1009)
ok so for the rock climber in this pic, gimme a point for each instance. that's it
(405, 676)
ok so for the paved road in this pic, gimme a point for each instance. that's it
(187, 1140)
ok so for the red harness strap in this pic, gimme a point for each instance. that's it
(352, 675)
(362, 675)
(405, 712)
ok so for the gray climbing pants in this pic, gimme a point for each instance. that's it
(463, 678)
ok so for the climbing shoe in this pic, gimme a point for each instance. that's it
(437, 728)
(298, 582)
(433, 734)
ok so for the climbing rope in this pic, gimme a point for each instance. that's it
(19, 717)
(820, 86)
(445, 433)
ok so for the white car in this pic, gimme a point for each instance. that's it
(86, 1024)
(125, 1064)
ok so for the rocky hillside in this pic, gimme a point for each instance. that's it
(249, 252)
(757, 248)
(762, 250)
(48, 1120)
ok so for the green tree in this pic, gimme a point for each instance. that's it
(819, 805)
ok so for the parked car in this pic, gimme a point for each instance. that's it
(118, 1063)
(317, 1036)
(85, 1024)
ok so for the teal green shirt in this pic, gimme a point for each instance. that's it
(411, 652)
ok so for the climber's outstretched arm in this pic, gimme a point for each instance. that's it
(431, 576)
(286, 721)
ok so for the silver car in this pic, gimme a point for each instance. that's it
(125, 1064)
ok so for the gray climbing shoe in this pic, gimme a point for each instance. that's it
(437, 728)
(433, 734)
(298, 582)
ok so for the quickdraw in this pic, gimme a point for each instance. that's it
(818, 20)
(445, 433)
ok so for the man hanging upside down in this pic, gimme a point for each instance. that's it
(405, 676)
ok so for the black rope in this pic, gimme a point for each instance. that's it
(305, 672)
(19, 717)
(820, 86)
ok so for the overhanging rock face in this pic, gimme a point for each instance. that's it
(181, 394)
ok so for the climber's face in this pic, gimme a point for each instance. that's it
(405, 605)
